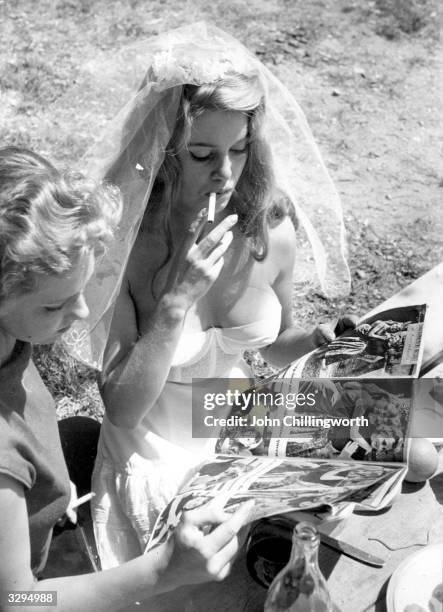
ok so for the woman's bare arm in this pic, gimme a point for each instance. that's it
(293, 341)
(137, 361)
(106, 591)
(192, 557)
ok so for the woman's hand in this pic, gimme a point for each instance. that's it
(325, 332)
(201, 551)
(197, 263)
(141, 344)
(69, 518)
(294, 342)
(71, 512)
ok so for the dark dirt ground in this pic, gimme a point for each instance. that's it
(368, 74)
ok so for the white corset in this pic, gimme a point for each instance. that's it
(212, 353)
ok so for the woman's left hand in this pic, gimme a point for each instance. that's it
(71, 513)
(294, 342)
(327, 332)
(69, 518)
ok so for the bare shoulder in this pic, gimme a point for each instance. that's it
(279, 261)
(282, 239)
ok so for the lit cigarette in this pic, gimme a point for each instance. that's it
(81, 500)
(211, 207)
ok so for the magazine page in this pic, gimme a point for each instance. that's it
(387, 344)
(351, 399)
(279, 486)
(362, 419)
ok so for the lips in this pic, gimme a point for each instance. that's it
(220, 193)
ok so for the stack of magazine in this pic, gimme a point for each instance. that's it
(330, 428)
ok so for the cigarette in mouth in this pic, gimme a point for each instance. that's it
(211, 207)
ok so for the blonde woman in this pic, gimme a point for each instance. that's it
(51, 229)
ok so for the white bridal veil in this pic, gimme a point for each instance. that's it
(149, 76)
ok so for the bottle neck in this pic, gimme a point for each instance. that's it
(300, 586)
(305, 543)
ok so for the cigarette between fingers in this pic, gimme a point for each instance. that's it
(81, 500)
(211, 207)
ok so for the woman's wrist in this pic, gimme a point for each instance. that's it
(159, 560)
(173, 308)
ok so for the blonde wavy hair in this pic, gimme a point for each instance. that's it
(48, 219)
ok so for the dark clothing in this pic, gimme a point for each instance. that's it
(30, 450)
(79, 438)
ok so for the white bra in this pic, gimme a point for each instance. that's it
(212, 352)
(166, 430)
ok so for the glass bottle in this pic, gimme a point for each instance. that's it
(300, 586)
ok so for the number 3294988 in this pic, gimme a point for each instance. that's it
(32, 598)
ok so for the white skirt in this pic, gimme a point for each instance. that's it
(127, 502)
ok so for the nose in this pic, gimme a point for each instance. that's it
(223, 170)
(79, 309)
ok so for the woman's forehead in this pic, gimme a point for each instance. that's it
(54, 288)
(212, 127)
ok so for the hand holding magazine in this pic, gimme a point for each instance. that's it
(387, 344)
(339, 401)
(278, 486)
(294, 455)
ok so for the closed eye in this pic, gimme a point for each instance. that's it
(210, 156)
(201, 158)
(53, 308)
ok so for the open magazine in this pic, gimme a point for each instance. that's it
(279, 486)
(364, 416)
(388, 344)
(329, 429)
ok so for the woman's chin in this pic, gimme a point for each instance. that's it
(50, 339)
